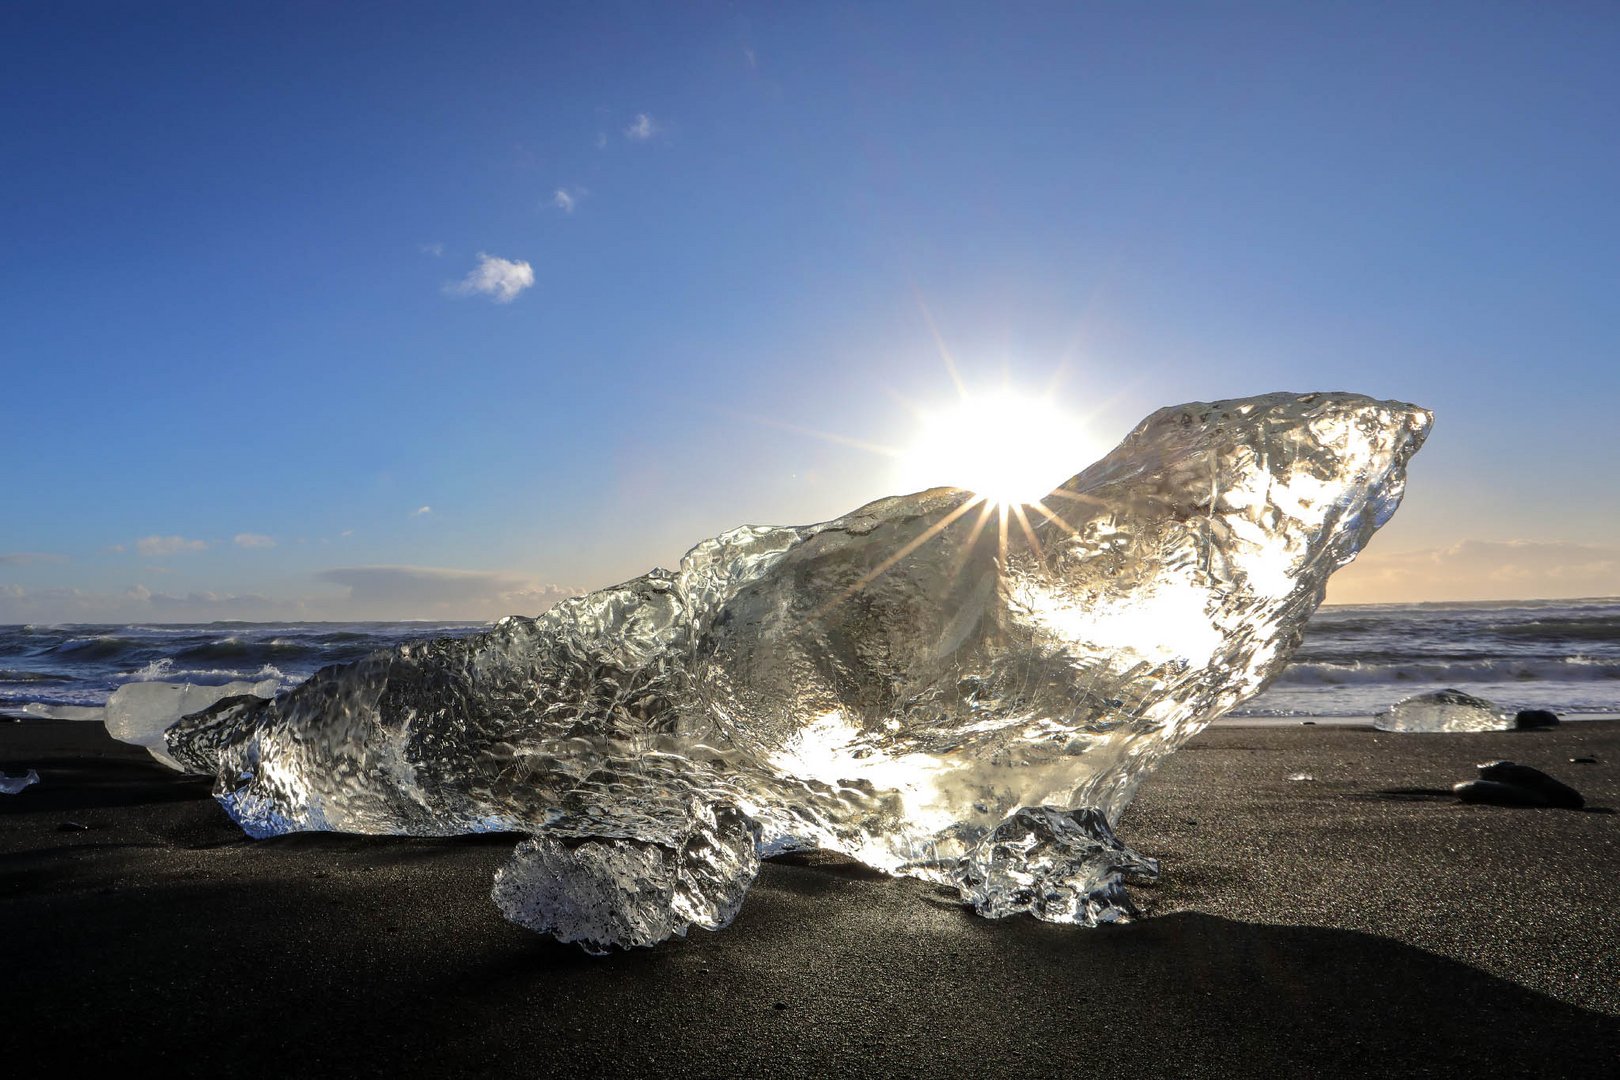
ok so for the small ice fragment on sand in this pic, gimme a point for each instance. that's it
(64, 712)
(1444, 710)
(1301, 776)
(13, 785)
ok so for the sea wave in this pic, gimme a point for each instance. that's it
(1556, 669)
(98, 647)
(9, 676)
(164, 670)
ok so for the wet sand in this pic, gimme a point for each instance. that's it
(1364, 923)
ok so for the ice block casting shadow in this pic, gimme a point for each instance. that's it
(933, 685)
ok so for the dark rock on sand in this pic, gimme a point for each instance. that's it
(1533, 719)
(1497, 793)
(1506, 783)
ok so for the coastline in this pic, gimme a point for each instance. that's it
(1362, 923)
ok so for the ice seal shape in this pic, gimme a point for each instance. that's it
(934, 685)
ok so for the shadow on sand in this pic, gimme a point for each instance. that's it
(382, 964)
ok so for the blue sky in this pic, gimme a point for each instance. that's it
(245, 341)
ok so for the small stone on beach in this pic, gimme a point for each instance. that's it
(1497, 793)
(1507, 783)
(1535, 719)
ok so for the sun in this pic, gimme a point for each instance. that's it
(1011, 448)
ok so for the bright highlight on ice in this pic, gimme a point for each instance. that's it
(1011, 448)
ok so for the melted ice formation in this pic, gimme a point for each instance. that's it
(929, 685)
(1444, 710)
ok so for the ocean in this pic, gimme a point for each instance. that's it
(1562, 655)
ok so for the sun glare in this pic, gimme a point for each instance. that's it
(1011, 448)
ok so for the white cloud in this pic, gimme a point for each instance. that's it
(419, 592)
(1480, 570)
(641, 128)
(152, 546)
(564, 200)
(500, 279)
(253, 540)
(435, 250)
(422, 511)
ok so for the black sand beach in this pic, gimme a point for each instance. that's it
(1361, 924)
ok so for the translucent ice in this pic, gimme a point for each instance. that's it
(1444, 710)
(140, 712)
(933, 685)
(601, 893)
(14, 785)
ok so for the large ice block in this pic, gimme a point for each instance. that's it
(934, 685)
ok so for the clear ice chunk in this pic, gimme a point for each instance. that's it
(14, 785)
(1444, 710)
(140, 712)
(1060, 866)
(602, 893)
(933, 685)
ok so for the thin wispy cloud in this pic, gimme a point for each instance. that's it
(253, 540)
(421, 511)
(139, 603)
(566, 200)
(361, 592)
(642, 128)
(499, 279)
(28, 558)
(414, 592)
(154, 546)
(435, 250)
(601, 140)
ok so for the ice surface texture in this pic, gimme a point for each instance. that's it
(1444, 710)
(928, 684)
